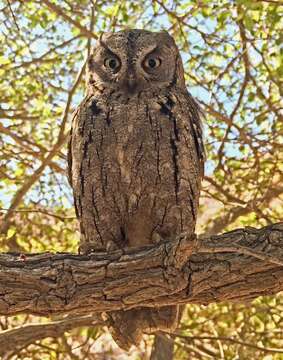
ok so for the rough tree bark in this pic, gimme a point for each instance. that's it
(236, 266)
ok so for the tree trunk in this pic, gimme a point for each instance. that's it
(163, 348)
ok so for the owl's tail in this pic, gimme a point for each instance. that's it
(128, 327)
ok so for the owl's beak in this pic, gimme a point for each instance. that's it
(131, 82)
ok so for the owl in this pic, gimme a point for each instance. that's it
(135, 158)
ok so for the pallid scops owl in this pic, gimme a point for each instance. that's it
(135, 157)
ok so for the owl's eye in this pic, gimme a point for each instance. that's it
(152, 62)
(112, 63)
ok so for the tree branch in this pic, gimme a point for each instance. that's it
(229, 339)
(47, 160)
(219, 223)
(60, 12)
(238, 266)
(13, 340)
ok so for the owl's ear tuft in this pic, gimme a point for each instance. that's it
(180, 78)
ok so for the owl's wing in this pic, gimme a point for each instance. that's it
(75, 120)
(69, 151)
(195, 113)
(70, 142)
(69, 158)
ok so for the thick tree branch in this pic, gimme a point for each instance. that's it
(238, 266)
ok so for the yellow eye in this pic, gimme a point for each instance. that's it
(112, 63)
(152, 62)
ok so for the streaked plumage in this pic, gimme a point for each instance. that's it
(136, 156)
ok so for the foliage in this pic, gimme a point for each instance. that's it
(233, 62)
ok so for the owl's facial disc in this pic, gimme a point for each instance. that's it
(134, 60)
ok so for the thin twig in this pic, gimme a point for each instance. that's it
(61, 13)
(230, 339)
(13, 15)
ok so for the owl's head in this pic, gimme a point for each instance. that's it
(135, 60)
